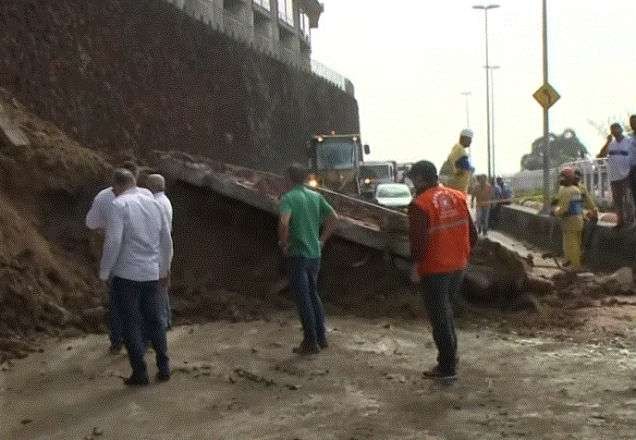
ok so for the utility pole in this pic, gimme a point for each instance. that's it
(466, 95)
(492, 106)
(546, 96)
(546, 117)
(486, 8)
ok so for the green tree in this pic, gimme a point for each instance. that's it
(563, 148)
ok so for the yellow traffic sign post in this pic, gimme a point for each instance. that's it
(547, 96)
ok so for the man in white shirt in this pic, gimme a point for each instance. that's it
(157, 185)
(618, 151)
(137, 254)
(96, 219)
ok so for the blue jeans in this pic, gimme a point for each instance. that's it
(166, 313)
(114, 322)
(140, 306)
(438, 291)
(303, 282)
(483, 215)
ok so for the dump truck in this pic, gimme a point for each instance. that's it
(334, 161)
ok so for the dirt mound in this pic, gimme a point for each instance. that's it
(45, 187)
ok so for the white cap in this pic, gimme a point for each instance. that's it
(467, 133)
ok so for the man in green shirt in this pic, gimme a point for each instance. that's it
(302, 213)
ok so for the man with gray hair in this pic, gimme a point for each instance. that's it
(96, 219)
(137, 254)
(157, 185)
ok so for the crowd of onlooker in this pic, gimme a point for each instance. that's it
(620, 151)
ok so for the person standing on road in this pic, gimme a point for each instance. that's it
(458, 163)
(302, 212)
(506, 192)
(137, 254)
(569, 208)
(441, 235)
(157, 185)
(484, 196)
(618, 152)
(632, 173)
(96, 219)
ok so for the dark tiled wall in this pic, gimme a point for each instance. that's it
(139, 75)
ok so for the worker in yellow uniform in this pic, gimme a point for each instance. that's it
(588, 201)
(458, 164)
(569, 208)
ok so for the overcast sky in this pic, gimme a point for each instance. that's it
(411, 59)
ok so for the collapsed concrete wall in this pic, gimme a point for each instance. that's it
(138, 75)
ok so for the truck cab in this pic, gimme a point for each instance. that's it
(334, 162)
(373, 174)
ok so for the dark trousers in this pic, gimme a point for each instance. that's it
(140, 306)
(619, 188)
(632, 184)
(303, 282)
(115, 325)
(166, 312)
(438, 291)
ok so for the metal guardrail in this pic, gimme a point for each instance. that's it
(595, 178)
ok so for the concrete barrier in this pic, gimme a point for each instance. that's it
(607, 248)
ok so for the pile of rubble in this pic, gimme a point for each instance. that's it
(619, 283)
(46, 183)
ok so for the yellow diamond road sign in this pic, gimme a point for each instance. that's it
(546, 96)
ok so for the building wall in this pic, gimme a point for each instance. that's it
(252, 23)
(141, 75)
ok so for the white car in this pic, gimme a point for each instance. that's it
(393, 195)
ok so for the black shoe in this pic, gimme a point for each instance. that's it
(162, 377)
(437, 373)
(305, 349)
(134, 381)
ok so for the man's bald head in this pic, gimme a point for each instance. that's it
(156, 183)
(123, 180)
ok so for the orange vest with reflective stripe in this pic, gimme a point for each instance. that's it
(447, 247)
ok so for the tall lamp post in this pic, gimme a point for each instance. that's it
(546, 117)
(492, 117)
(487, 8)
(466, 95)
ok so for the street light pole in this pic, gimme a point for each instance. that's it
(492, 117)
(466, 95)
(546, 117)
(486, 8)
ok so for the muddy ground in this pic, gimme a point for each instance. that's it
(241, 381)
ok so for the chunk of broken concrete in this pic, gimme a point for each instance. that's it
(622, 280)
(10, 133)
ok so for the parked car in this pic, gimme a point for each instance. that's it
(393, 195)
